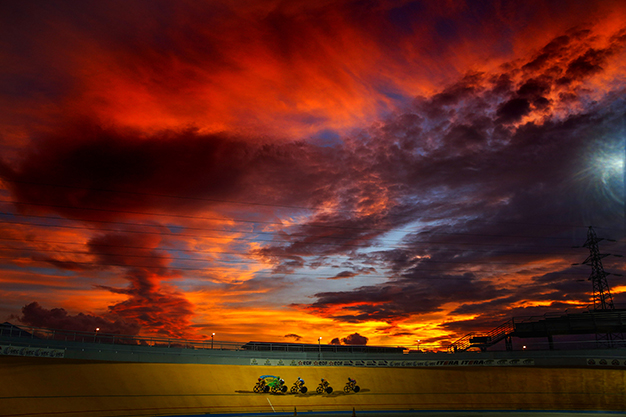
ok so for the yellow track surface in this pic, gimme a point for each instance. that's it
(64, 387)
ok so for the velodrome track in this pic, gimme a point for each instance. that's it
(68, 387)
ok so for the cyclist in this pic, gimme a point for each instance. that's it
(352, 382)
(299, 382)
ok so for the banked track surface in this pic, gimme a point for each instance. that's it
(67, 387)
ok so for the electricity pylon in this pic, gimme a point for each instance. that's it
(602, 299)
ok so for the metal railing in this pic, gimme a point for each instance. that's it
(29, 332)
(483, 340)
(25, 333)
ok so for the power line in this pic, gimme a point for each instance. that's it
(179, 216)
(182, 227)
(244, 203)
(181, 234)
(270, 241)
(126, 255)
(241, 253)
(209, 200)
(274, 232)
(250, 232)
(93, 265)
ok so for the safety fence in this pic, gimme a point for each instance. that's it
(29, 332)
(41, 334)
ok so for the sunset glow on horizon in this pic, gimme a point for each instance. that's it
(376, 172)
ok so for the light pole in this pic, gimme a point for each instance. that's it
(212, 336)
(95, 335)
(418, 344)
(319, 343)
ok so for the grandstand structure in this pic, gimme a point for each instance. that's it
(603, 320)
(546, 326)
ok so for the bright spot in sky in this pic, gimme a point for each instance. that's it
(604, 172)
(610, 167)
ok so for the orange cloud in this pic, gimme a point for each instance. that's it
(196, 169)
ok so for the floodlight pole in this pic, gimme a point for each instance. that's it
(319, 343)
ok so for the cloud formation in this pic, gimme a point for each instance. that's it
(57, 318)
(335, 168)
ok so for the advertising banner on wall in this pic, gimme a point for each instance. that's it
(394, 364)
(32, 351)
(606, 362)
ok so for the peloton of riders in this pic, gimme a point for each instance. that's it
(277, 383)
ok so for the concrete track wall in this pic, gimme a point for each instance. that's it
(65, 387)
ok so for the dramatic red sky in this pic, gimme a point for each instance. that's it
(284, 170)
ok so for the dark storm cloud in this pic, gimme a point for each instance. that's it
(585, 65)
(344, 274)
(556, 48)
(102, 169)
(513, 110)
(351, 274)
(57, 318)
(416, 293)
(131, 250)
(456, 162)
(352, 339)
(355, 339)
(343, 231)
(163, 311)
(149, 302)
(93, 159)
(61, 264)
